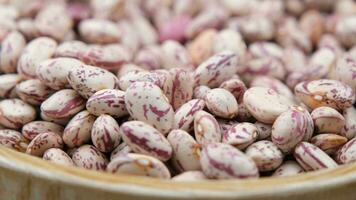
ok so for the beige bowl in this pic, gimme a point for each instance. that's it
(30, 178)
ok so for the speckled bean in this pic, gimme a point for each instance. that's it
(329, 142)
(89, 79)
(33, 91)
(310, 157)
(186, 151)
(88, 157)
(264, 130)
(122, 148)
(265, 49)
(146, 102)
(145, 139)
(236, 87)
(347, 153)
(62, 104)
(184, 116)
(138, 164)
(216, 69)
(349, 130)
(291, 127)
(14, 113)
(31, 57)
(222, 161)
(202, 46)
(149, 57)
(61, 121)
(32, 129)
(327, 120)
(57, 156)
(13, 139)
(190, 176)
(240, 135)
(273, 83)
(71, 49)
(221, 103)
(44, 141)
(182, 90)
(200, 92)
(268, 109)
(325, 92)
(206, 128)
(265, 154)
(174, 55)
(105, 133)
(288, 168)
(230, 40)
(99, 31)
(8, 84)
(78, 131)
(107, 101)
(11, 49)
(344, 70)
(53, 72)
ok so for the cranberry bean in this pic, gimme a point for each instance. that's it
(44, 141)
(184, 116)
(33, 91)
(13, 139)
(58, 156)
(14, 113)
(32, 129)
(221, 103)
(240, 135)
(88, 157)
(327, 120)
(206, 128)
(328, 142)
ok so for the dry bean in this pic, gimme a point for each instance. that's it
(146, 102)
(327, 120)
(264, 130)
(99, 31)
(58, 156)
(13, 139)
(268, 109)
(230, 40)
(11, 49)
(72, 49)
(288, 168)
(184, 116)
(88, 157)
(329, 142)
(344, 70)
(312, 158)
(14, 113)
(201, 47)
(138, 164)
(190, 176)
(346, 154)
(186, 151)
(265, 154)
(32, 129)
(33, 91)
(273, 83)
(265, 49)
(105, 133)
(44, 141)
(122, 148)
(349, 130)
(236, 87)
(240, 135)
(149, 57)
(222, 161)
(145, 139)
(221, 103)
(206, 128)
(8, 84)
(107, 101)
(201, 91)
(182, 90)
(174, 55)
(78, 130)
(61, 121)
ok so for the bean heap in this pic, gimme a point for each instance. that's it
(184, 90)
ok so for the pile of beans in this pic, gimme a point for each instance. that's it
(184, 90)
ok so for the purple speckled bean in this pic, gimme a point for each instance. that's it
(186, 151)
(216, 69)
(241, 135)
(325, 92)
(11, 49)
(53, 72)
(149, 57)
(31, 57)
(13, 139)
(88, 157)
(310, 157)
(107, 101)
(122, 148)
(329, 142)
(143, 138)
(190, 176)
(105, 133)
(58, 156)
(89, 79)
(44, 141)
(288, 168)
(228, 39)
(236, 87)
(264, 130)
(174, 55)
(138, 164)
(184, 116)
(8, 84)
(60, 121)
(78, 131)
(225, 125)
(182, 90)
(99, 31)
(349, 130)
(223, 161)
(62, 104)
(146, 102)
(202, 46)
(33, 91)
(32, 129)
(127, 68)
(346, 154)
(71, 49)
(221, 103)
(127, 79)
(273, 83)
(265, 49)
(243, 115)
(265, 154)
(270, 108)
(345, 70)
(200, 92)
(206, 128)
(327, 120)
(14, 113)
(292, 127)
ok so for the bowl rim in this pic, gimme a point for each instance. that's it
(26, 165)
